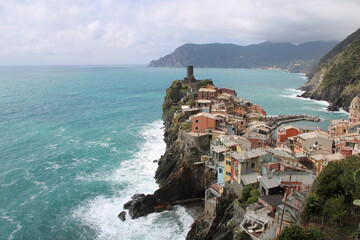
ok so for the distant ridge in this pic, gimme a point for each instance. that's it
(296, 58)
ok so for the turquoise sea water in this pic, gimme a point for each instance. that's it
(77, 142)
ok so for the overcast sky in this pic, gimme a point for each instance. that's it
(137, 31)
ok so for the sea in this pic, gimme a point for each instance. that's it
(76, 142)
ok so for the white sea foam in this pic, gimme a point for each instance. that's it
(11, 220)
(293, 93)
(137, 176)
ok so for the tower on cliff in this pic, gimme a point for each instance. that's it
(190, 74)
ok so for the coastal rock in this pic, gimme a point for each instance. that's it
(122, 216)
(333, 108)
(134, 198)
(141, 205)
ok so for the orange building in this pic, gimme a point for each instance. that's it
(284, 132)
(202, 122)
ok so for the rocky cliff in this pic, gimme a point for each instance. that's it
(296, 58)
(336, 78)
(178, 176)
(222, 225)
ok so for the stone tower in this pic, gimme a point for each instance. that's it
(190, 74)
(354, 109)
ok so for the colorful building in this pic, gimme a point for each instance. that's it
(206, 93)
(284, 132)
(202, 122)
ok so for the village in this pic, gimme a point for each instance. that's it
(270, 166)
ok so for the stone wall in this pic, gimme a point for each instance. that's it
(202, 141)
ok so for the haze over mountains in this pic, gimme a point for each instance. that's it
(296, 58)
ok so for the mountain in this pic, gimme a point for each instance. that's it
(336, 78)
(267, 54)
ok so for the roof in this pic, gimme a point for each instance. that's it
(272, 200)
(203, 101)
(254, 114)
(270, 182)
(206, 90)
(250, 177)
(248, 154)
(300, 155)
(255, 135)
(316, 134)
(280, 153)
(264, 129)
(287, 127)
(334, 157)
(304, 177)
(218, 149)
(311, 128)
(229, 143)
(317, 157)
(205, 114)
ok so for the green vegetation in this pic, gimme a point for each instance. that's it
(186, 126)
(242, 236)
(205, 82)
(295, 232)
(336, 78)
(249, 195)
(329, 205)
(179, 118)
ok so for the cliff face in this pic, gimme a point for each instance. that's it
(336, 78)
(178, 176)
(296, 58)
(223, 225)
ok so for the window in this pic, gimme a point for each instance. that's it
(228, 173)
(259, 144)
(196, 128)
(228, 162)
(252, 165)
(196, 121)
(344, 130)
(220, 170)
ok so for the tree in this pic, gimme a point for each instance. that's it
(243, 236)
(295, 232)
(335, 210)
(313, 206)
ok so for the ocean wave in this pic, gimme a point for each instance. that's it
(135, 175)
(294, 93)
(12, 221)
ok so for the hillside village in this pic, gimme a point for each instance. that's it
(270, 168)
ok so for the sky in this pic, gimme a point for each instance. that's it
(51, 32)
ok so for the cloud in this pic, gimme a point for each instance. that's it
(136, 31)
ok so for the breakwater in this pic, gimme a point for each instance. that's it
(274, 122)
